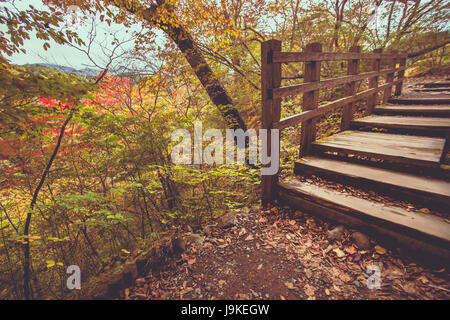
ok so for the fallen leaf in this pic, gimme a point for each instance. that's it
(187, 290)
(309, 290)
(192, 261)
(351, 250)
(289, 285)
(327, 249)
(242, 232)
(242, 296)
(250, 237)
(50, 263)
(259, 267)
(339, 252)
(423, 279)
(327, 292)
(345, 277)
(308, 273)
(282, 298)
(425, 210)
(380, 250)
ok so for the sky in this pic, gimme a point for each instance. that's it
(66, 55)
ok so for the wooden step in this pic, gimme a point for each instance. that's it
(413, 125)
(425, 191)
(395, 148)
(414, 110)
(425, 237)
(421, 98)
(436, 85)
(445, 90)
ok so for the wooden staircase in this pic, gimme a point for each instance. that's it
(395, 164)
(399, 150)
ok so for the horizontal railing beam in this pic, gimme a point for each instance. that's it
(306, 115)
(288, 57)
(328, 83)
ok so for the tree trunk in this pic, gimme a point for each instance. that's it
(203, 71)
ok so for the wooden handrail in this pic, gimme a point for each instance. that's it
(321, 110)
(312, 56)
(329, 83)
(289, 57)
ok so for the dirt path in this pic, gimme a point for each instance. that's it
(280, 254)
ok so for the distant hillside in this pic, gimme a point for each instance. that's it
(84, 72)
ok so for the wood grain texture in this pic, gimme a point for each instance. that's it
(389, 78)
(413, 125)
(303, 116)
(422, 99)
(426, 236)
(271, 107)
(418, 151)
(288, 57)
(422, 190)
(327, 83)
(422, 110)
(350, 90)
(311, 74)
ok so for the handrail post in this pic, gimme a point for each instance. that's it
(373, 83)
(310, 99)
(271, 108)
(352, 69)
(390, 77)
(401, 76)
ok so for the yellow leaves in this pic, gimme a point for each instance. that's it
(125, 251)
(52, 263)
(55, 239)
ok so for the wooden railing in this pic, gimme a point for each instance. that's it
(272, 59)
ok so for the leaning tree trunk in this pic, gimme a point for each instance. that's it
(203, 71)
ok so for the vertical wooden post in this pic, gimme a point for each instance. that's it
(401, 76)
(271, 108)
(373, 83)
(390, 77)
(352, 68)
(310, 99)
